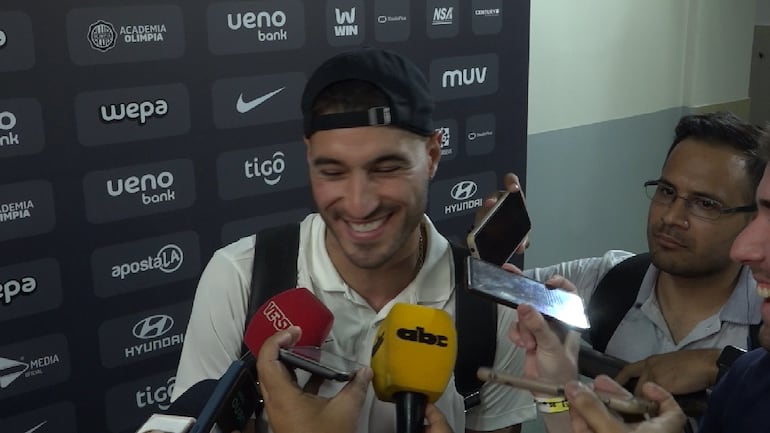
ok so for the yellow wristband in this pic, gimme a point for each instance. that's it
(551, 404)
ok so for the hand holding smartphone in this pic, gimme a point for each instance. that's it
(319, 362)
(502, 230)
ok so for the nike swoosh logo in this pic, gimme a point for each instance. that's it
(36, 428)
(244, 107)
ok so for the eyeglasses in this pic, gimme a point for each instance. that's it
(701, 207)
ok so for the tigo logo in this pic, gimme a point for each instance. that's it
(159, 397)
(464, 190)
(269, 170)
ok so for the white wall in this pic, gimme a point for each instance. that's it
(603, 59)
(763, 13)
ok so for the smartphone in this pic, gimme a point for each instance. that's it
(507, 288)
(501, 231)
(317, 361)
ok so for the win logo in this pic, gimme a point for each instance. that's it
(345, 23)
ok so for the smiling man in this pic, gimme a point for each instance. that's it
(371, 153)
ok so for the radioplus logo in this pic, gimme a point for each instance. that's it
(143, 335)
(26, 209)
(460, 195)
(29, 288)
(255, 26)
(129, 404)
(139, 190)
(131, 114)
(104, 35)
(33, 364)
(262, 170)
(145, 263)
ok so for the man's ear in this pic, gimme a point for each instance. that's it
(433, 147)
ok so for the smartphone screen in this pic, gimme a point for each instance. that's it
(508, 288)
(501, 231)
(317, 361)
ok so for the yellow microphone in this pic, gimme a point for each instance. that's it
(413, 357)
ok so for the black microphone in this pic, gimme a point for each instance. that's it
(231, 400)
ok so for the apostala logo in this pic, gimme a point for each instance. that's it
(102, 36)
(16, 210)
(143, 33)
(168, 259)
(153, 330)
(269, 170)
(159, 397)
(147, 185)
(463, 192)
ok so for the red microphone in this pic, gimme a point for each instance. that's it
(296, 307)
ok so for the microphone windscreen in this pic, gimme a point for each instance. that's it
(414, 351)
(191, 402)
(296, 307)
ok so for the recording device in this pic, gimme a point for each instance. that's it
(412, 358)
(630, 405)
(511, 289)
(230, 401)
(167, 424)
(502, 230)
(320, 362)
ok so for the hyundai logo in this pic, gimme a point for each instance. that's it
(464, 190)
(153, 326)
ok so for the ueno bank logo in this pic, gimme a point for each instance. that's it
(147, 184)
(442, 16)
(272, 21)
(346, 25)
(168, 260)
(153, 326)
(159, 397)
(25, 285)
(7, 123)
(138, 111)
(464, 190)
(270, 170)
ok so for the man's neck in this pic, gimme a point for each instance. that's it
(686, 301)
(379, 286)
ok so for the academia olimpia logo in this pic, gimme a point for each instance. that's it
(103, 35)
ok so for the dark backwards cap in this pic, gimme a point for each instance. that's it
(410, 103)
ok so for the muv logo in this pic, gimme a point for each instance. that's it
(464, 77)
(464, 190)
(153, 326)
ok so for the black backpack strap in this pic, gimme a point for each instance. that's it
(613, 297)
(476, 323)
(754, 335)
(275, 266)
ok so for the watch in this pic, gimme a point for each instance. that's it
(726, 358)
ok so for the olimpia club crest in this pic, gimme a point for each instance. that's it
(102, 35)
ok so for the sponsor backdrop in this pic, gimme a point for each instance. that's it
(136, 137)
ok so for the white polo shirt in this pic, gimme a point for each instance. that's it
(643, 331)
(216, 327)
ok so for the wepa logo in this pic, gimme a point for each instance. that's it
(168, 259)
(159, 397)
(102, 36)
(14, 287)
(464, 190)
(139, 111)
(275, 316)
(153, 326)
(269, 170)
